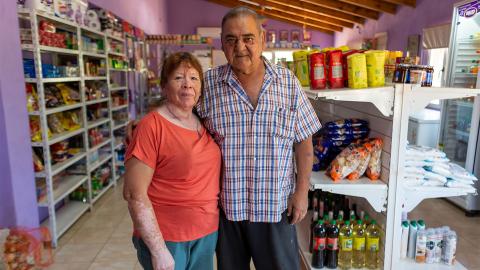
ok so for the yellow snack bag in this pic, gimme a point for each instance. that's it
(300, 59)
(375, 68)
(357, 71)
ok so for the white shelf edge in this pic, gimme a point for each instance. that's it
(92, 54)
(100, 78)
(118, 145)
(119, 107)
(420, 97)
(63, 108)
(375, 192)
(30, 80)
(410, 264)
(68, 185)
(381, 97)
(116, 54)
(93, 124)
(118, 69)
(119, 88)
(95, 101)
(120, 126)
(64, 135)
(60, 80)
(104, 190)
(58, 50)
(93, 31)
(57, 168)
(415, 195)
(67, 216)
(100, 145)
(56, 19)
(115, 38)
(99, 162)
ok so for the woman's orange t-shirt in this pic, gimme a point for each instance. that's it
(186, 183)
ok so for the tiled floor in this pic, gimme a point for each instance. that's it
(101, 239)
(439, 212)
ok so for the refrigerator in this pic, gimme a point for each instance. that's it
(459, 131)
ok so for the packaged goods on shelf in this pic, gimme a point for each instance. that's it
(334, 69)
(97, 135)
(108, 22)
(92, 45)
(425, 166)
(64, 121)
(318, 78)
(72, 10)
(32, 98)
(357, 71)
(95, 90)
(59, 95)
(42, 5)
(334, 137)
(375, 68)
(35, 129)
(29, 68)
(95, 68)
(115, 46)
(178, 39)
(37, 163)
(52, 71)
(117, 63)
(25, 36)
(26, 249)
(118, 100)
(300, 59)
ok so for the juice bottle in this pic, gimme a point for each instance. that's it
(340, 221)
(346, 246)
(332, 245)
(358, 258)
(319, 241)
(373, 245)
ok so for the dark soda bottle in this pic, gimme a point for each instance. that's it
(332, 245)
(312, 225)
(319, 241)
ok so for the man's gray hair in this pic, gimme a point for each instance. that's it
(243, 11)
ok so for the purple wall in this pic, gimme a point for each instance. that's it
(149, 15)
(184, 16)
(18, 205)
(407, 21)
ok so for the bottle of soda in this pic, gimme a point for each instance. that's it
(358, 258)
(332, 245)
(319, 241)
(373, 245)
(340, 221)
(346, 246)
(312, 225)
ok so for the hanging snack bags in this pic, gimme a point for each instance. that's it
(357, 71)
(347, 161)
(301, 67)
(375, 68)
(374, 168)
(318, 78)
(334, 65)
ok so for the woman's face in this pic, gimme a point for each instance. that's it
(184, 87)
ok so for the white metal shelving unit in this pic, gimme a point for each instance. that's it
(60, 219)
(388, 110)
(117, 89)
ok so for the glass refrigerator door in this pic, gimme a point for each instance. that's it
(460, 118)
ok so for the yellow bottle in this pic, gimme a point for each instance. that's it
(358, 258)
(373, 245)
(346, 246)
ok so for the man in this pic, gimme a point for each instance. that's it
(258, 113)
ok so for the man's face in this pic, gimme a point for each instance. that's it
(242, 43)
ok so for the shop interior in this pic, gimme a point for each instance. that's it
(397, 79)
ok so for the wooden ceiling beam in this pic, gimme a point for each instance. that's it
(306, 14)
(376, 5)
(299, 5)
(285, 17)
(346, 8)
(411, 3)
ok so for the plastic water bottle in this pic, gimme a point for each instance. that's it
(358, 258)
(412, 238)
(430, 254)
(346, 246)
(332, 245)
(438, 245)
(421, 224)
(319, 242)
(421, 246)
(446, 231)
(450, 248)
(404, 239)
(373, 245)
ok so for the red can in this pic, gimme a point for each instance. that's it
(335, 70)
(318, 78)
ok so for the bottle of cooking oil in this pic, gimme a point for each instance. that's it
(373, 245)
(358, 256)
(346, 246)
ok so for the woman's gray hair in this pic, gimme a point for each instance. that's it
(243, 11)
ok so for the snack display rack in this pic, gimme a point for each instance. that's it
(63, 211)
(387, 109)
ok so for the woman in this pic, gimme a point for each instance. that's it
(172, 176)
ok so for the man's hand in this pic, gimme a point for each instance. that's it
(163, 260)
(297, 206)
(129, 131)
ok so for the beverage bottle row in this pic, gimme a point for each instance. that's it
(345, 244)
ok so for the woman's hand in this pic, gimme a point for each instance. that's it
(163, 260)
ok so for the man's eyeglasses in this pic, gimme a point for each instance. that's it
(247, 40)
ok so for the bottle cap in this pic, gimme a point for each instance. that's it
(320, 221)
(420, 222)
(373, 222)
(405, 224)
(413, 223)
(359, 222)
(333, 222)
(347, 222)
